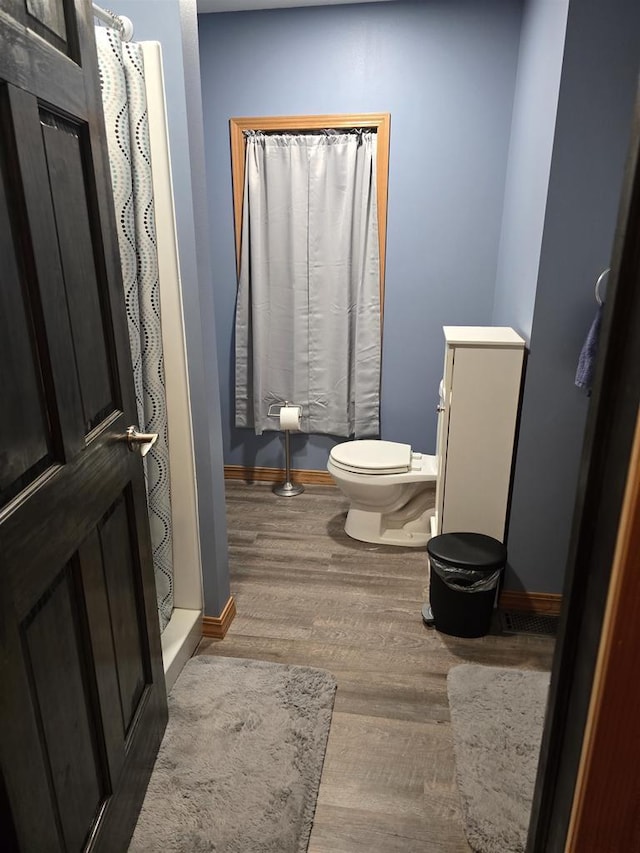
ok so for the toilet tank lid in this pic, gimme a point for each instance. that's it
(385, 457)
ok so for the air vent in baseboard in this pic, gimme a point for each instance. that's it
(516, 622)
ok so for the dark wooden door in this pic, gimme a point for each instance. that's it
(82, 695)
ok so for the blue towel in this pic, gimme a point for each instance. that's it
(587, 360)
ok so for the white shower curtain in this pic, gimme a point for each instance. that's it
(125, 107)
(308, 303)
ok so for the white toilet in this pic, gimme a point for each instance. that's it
(390, 488)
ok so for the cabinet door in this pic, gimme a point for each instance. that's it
(443, 434)
(483, 405)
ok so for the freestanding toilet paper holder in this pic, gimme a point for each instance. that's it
(286, 489)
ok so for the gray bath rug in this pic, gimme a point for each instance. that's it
(497, 716)
(240, 763)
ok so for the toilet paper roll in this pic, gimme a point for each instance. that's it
(290, 417)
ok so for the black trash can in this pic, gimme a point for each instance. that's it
(465, 572)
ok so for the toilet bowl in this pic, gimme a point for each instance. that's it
(390, 488)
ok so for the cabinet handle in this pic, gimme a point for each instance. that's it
(440, 408)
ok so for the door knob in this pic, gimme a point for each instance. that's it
(142, 441)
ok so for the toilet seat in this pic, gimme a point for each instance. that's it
(372, 457)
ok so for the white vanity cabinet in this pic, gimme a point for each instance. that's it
(477, 417)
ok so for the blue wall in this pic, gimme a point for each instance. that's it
(532, 131)
(446, 72)
(174, 24)
(597, 90)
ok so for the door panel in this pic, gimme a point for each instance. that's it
(71, 213)
(127, 614)
(23, 426)
(83, 704)
(34, 64)
(62, 701)
(25, 168)
(49, 13)
(47, 18)
(98, 616)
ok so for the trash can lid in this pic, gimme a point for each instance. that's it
(468, 550)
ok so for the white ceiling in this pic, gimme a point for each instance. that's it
(243, 5)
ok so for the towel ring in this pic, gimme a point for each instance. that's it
(601, 278)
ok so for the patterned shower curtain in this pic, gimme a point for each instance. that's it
(125, 109)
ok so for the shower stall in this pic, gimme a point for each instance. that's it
(135, 116)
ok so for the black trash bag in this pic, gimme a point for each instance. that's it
(465, 580)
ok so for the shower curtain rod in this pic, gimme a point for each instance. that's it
(121, 23)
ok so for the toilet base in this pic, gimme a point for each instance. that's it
(377, 528)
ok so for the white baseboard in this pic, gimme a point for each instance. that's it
(179, 641)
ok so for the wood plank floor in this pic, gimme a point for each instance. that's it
(307, 594)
